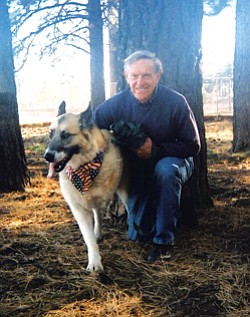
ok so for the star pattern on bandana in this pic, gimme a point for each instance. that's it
(83, 177)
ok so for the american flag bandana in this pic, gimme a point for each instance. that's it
(82, 177)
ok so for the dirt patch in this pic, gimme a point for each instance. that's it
(42, 254)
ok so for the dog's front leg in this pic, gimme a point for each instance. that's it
(97, 224)
(85, 223)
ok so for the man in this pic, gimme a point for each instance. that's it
(165, 161)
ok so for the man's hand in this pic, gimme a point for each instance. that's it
(145, 151)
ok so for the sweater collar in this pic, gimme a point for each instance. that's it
(150, 101)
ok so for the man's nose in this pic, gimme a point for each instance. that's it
(140, 80)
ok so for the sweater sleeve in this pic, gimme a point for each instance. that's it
(187, 141)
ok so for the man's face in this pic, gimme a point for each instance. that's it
(142, 79)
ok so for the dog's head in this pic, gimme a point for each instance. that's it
(69, 136)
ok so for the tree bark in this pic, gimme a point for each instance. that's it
(171, 29)
(96, 53)
(13, 171)
(113, 44)
(241, 103)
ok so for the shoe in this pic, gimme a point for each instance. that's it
(160, 252)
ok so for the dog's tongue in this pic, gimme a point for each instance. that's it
(51, 172)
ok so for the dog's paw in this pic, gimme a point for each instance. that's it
(95, 264)
(95, 267)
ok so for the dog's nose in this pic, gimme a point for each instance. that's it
(49, 156)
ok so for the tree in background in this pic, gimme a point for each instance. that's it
(241, 117)
(241, 71)
(13, 171)
(96, 52)
(171, 29)
(47, 24)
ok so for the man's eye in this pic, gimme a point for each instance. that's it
(65, 135)
(133, 76)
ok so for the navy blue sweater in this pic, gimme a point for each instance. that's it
(167, 119)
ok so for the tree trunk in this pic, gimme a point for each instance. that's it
(13, 171)
(241, 117)
(171, 29)
(113, 44)
(96, 53)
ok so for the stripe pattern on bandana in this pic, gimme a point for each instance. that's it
(82, 177)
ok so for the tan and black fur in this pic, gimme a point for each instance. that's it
(74, 141)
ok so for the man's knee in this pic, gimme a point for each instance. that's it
(174, 168)
(165, 169)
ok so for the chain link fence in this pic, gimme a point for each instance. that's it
(218, 96)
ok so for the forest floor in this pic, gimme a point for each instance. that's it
(43, 257)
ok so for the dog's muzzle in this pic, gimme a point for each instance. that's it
(49, 156)
(58, 166)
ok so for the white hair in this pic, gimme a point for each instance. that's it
(134, 57)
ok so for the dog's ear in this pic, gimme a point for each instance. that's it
(61, 108)
(86, 118)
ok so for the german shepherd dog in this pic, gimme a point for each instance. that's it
(90, 171)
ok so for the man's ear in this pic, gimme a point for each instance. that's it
(158, 77)
(61, 108)
(126, 75)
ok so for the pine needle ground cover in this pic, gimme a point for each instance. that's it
(43, 256)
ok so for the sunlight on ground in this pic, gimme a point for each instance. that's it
(219, 129)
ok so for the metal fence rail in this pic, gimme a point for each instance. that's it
(218, 96)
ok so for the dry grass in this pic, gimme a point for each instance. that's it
(42, 254)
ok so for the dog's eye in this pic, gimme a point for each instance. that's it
(51, 133)
(65, 135)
